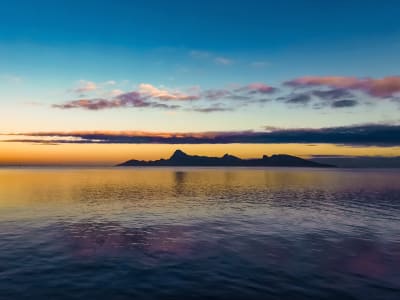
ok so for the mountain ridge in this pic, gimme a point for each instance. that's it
(180, 158)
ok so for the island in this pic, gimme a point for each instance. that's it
(181, 159)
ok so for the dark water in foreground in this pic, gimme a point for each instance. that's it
(199, 233)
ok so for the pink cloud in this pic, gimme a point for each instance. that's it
(332, 81)
(116, 92)
(85, 86)
(383, 87)
(260, 88)
(164, 94)
(126, 100)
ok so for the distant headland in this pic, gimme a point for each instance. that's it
(180, 158)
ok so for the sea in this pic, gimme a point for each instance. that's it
(199, 233)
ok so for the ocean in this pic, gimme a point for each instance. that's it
(199, 233)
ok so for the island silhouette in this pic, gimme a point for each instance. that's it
(180, 158)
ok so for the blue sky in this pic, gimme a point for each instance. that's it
(150, 40)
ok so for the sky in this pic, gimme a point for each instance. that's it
(100, 82)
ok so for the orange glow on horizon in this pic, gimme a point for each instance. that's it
(110, 154)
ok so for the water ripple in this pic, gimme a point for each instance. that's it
(199, 233)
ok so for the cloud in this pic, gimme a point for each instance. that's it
(11, 78)
(85, 86)
(259, 64)
(355, 135)
(217, 107)
(164, 94)
(220, 60)
(238, 93)
(147, 95)
(90, 104)
(320, 99)
(382, 88)
(385, 87)
(334, 97)
(134, 99)
(299, 99)
(223, 60)
(258, 87)
(332, 94)
(116, 92)
(317, 93)
(165, 106)
(199, 54)
(331, 81)
(214, 94)
(212, 109)
(243, 98)
(131, 99)
(344, 103)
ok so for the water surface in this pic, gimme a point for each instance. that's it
(196, 233)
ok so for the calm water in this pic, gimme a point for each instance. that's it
(190, 233)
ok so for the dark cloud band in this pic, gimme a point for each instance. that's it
(357, 135)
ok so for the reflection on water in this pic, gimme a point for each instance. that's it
(194, 233)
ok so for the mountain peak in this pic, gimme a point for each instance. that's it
(178, 154)
(180, 158)
(228, 156)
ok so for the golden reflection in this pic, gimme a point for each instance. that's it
(104, 189)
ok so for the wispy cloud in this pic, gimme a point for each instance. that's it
(296, 98)
(223, 60)
(313, 92)
(85, 86)
(259, 64)
(148, 95)
(382, 87)
(198, 54)
(211, 109)
(259, 87)
(164, 94)
(206, 55)
(332, 94)
(216, 94)
(216, 107)
(356, 135)
(11, 78)
(333, 98)
(116, 92)
(220, 60)
(132, 99)
(344, 103)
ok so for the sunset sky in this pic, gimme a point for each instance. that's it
(100, 82)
